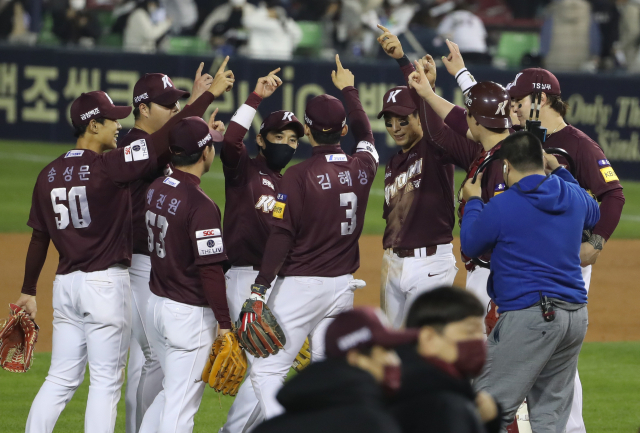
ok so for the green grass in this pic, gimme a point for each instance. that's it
(611, 390)
(22, 161)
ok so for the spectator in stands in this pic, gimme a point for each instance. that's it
(183, 15)
(317, 10)
(394, 15)
(570, 38)
(141, 34)
(72, 24)
(466, 30)
(224, 28)
(607, 17)
(272, 33)
(630, 34)
(14, 20)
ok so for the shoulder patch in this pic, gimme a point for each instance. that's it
(136, 151)
(499, 189)
(604, 163)
(74, 153)
(365, 146)
(608, 174)
(210, 246)
(278, 210)
(207, 233)
(171, 181)
(336, 157)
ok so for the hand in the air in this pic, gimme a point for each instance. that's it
(267, 85)
(343, 77)
(453, 62)
(429, 66)
(418, 81)
(28, 304)
(216, 125)
(390, 43)
(200, 85)
(471, 189)
(223, 81)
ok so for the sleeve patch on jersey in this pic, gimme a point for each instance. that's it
(365, 146)
(171, 182)
(207, 247)
(74, 153)
(608, 174)
(208, 233)
(336, 157)
(282, 198)
(604, 163)
(278, 210)
(499, 189)
(136, 151)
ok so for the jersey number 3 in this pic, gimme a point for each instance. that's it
(351, 200)
(162, 223)
(79, 216)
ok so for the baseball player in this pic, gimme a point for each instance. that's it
(313, 246)
(419, 205)
(73, 202)
(187, 279)
(251, 185)
(155, 101)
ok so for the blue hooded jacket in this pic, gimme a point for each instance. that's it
(535, 231)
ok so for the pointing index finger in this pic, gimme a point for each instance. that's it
(223, 66)
(338, 62)
(275, 71)
(199, 71)
(383, 28)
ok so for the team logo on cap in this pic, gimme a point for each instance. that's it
(107, 95)
(513, 84)
(166, 81)
(204, 141)
(501, 107)
(392, 95)
(288, 116)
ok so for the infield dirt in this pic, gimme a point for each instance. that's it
(614, 298)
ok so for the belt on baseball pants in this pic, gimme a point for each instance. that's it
(415, 252)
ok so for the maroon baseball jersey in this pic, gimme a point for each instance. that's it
(82, 201)
(184, 231)
(250, 192)
(138, 190)
(322, 202)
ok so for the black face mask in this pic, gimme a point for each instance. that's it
(277, 155)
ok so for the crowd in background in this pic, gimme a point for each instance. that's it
(570, 35)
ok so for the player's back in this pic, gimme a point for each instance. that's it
(323, 202)
(85, 211)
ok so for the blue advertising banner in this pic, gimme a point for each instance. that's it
(37, 86)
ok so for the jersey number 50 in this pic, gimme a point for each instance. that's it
(162, 223)
(77, 195)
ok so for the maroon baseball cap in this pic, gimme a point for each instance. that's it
(532, 80)
(94, 105)
(157, 88)
(398, 101)
(280, 120)
(363, 327)
(325, 113)
(191, 134)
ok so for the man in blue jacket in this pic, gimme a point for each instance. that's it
(534, 229)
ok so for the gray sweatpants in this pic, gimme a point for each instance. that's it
(528, 357)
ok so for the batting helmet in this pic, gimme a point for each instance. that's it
(489, 103)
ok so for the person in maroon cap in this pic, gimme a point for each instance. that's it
(593, 170)
(155, 101)
(73, 204)
(345, 393)
(251, 185)
(313, 245)
(187, 279)
(419, 207)
(488, 120)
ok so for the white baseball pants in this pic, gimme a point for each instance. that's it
(477, 284)
(303, 306)
(182, 336)
(404, 279)
(91, 322)
(143, 361)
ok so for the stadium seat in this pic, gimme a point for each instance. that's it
(514, 45)
(312, 38)
(187, 45)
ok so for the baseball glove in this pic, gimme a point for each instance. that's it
(303, 359)
(226, 366)
(18, 336)
(258, 330)
(492, 317)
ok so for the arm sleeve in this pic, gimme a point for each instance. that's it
(142, 157)
(611, 204)
(234, 154)
(36, 256)
(480, 227)
(214, 286)
(278, 245)
(460, 149)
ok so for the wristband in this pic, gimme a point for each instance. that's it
(465, 80)
(403, 61)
